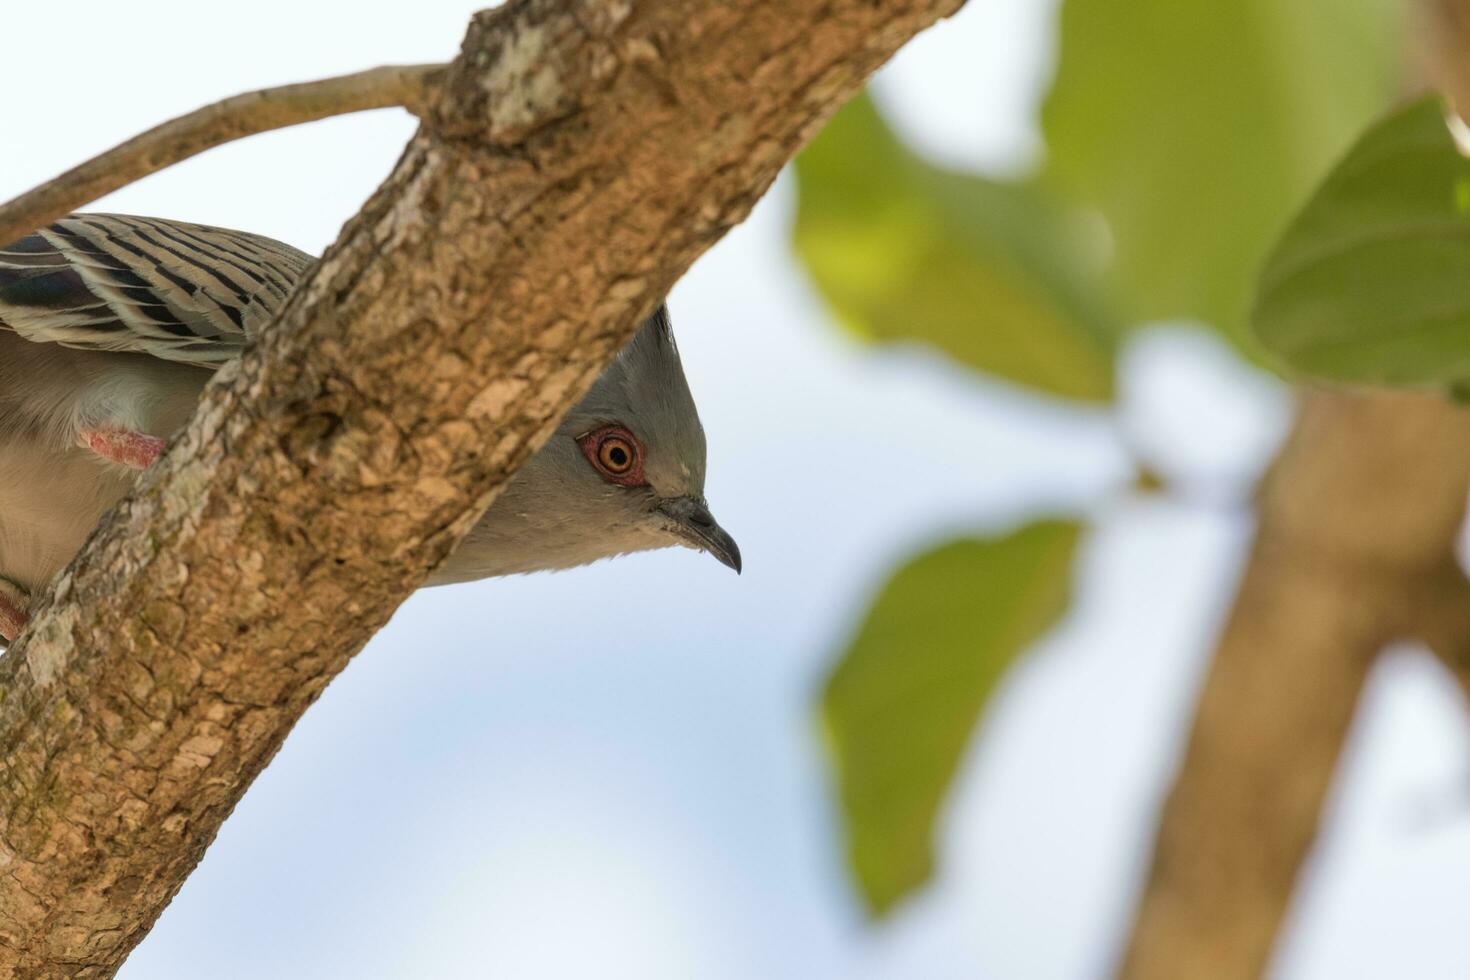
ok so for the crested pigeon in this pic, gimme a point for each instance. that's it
(110, 325)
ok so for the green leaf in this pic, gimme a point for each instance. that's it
(1196, 126)
(901, 704)
(992, 274)
(1371, 283)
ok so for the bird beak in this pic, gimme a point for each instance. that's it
(695, 526)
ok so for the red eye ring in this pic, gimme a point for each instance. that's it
(615, 453)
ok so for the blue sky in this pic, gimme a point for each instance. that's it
(615, 772)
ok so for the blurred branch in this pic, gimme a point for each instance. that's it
(1442, 621)
(409, 86)
(1359, 512)
(579, 156)
(1443, 31)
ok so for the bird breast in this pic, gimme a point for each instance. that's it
(52, 491)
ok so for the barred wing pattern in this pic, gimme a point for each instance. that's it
(178, 291)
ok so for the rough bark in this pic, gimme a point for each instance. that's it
(409, 86)
(581, 154)
(1355, 549)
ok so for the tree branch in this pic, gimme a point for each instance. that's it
(1359, 513)
(1356, 548)
(1443, 33)
(409, 86)
(1442, 620)
(580, 155)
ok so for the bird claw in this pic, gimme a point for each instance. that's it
(136, 449)
(14, 614)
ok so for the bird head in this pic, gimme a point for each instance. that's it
(623, 472)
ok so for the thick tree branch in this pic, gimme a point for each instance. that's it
(582, 153)
(1358, 520)
(410, 86)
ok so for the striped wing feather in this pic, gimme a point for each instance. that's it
(177, 291)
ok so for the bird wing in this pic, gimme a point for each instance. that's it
(177, 291)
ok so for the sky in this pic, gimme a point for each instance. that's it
(615, 772)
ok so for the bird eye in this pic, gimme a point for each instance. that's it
(616, 454)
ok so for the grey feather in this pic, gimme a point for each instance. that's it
(109, 319)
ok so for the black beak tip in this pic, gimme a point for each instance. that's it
(726, 551)
(733, 560)
(697, 528)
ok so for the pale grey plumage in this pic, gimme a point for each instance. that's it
(116, 321)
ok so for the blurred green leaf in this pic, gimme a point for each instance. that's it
(1196, 126)
(901, 705)
(991, 274)
(1371, 282)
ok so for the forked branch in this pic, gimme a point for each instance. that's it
(1353, 551)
